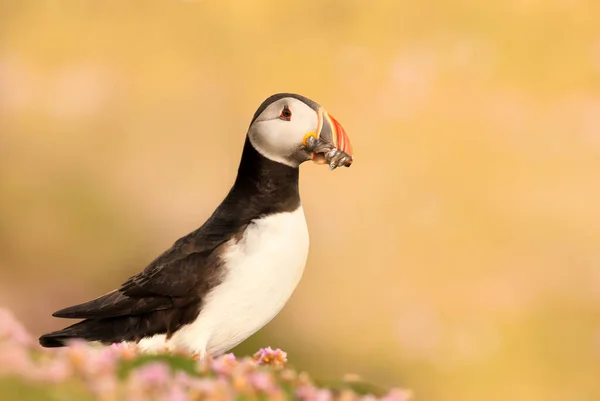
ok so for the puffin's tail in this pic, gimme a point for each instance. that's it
(86, 330)
(111, 330)
(107, 331)
(55, 339)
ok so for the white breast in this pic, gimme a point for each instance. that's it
(263, 270)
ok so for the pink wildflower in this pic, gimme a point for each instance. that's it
(224, 364)
(90, 360)
(148, 382)
(124, 350)
(268, 356)
(247, 364)
(96, 368)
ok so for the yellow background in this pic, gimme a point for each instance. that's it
(459, 256)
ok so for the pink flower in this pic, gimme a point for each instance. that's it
(78, 354)
(96, 368)
(152, 374)
(397, 394)
(124, 350)
(91, 360)
(14, 360)
(202, 385)
(268, 356)
(262, 381)
(182, 379)
(57, 371)
(105, 361)
(103, 387)
(12, 330)
(322, 395)
(311, 393)
(224, 364)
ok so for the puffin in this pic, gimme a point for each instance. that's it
(218, 285)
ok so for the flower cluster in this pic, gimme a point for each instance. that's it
(121, 372)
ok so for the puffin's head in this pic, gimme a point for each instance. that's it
(286, 124)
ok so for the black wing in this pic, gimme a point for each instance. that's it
(173, 279)
(159, 300)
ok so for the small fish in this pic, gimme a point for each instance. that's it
(327, 153)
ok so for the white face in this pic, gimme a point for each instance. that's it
(278, 132)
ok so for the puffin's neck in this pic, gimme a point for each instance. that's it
(263, 185)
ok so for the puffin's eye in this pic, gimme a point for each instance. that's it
(286, 113)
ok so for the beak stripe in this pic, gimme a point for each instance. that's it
(343, 143)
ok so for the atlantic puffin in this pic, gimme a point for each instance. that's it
(221, 283)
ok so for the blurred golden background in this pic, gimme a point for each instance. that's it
(462, 256)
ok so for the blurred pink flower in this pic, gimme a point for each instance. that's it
(322, 395)
(105, 361)
(177, 394)
(311, 393)
(14, 360)
(182, 379)
(124, 350)
(150, 381)
(56, 371)
(262, 381)
(12, 330)
(96, 368)
(91, 360)
(397, 394)
(103, 387)
(224, 364)
(201, 385)
(152, 374)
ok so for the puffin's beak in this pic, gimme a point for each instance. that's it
(331, 132)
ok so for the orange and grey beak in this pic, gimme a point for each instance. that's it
(331, 132)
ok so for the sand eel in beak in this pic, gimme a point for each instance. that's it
(223, 282)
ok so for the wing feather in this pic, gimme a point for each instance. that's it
(163, 297)
(172, 280)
